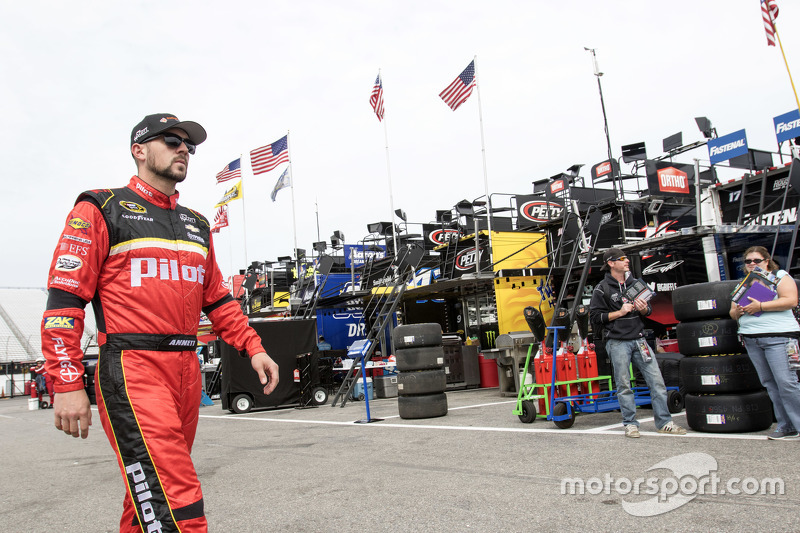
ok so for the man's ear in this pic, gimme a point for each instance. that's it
(139, 152)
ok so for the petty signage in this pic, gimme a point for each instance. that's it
(730, 145)
(787, 126)
(538, 209)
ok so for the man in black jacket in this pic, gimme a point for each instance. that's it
(620, 320)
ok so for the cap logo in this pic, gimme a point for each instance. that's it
(140, 133)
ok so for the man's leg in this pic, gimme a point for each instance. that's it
(658, 391)
(139, 402)
(620, 354)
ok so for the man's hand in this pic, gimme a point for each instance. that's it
(640, 305)
(267, 370)
(73, 413)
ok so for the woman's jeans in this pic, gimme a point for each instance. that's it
(769, 356)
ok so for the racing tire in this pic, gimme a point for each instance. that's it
(319, 396)
(421, 382)
(719, 374)
(416, 335)
(560, 409)
(703, 301)
(242, 403)
(528, 412)
(729, 413)
(709, 337)
(420, 358)
(43, 404)
(422, 406)
(675, 401)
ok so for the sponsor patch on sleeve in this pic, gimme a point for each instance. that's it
(68, 263)
(59, 322)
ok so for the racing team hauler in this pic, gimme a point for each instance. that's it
(147, 264)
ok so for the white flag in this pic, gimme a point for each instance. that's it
(284, 181)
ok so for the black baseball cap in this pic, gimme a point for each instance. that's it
(612, 254)
(152, 125)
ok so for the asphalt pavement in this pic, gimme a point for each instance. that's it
(479, 468)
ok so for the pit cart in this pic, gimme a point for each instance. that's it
(560, 400)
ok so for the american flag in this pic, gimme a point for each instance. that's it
(270, 156)
(457, 92)
(220, 219)
(232, 170)
(376, 98)
(769, 26)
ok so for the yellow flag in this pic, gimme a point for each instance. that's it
(234, 193)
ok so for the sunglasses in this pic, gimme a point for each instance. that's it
(621, 258)
(174, 141)
(756, 261)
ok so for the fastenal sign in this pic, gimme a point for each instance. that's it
(787, 126)
(727, 146)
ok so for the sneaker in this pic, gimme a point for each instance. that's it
(632, 431)
(672, 428)
(782, 434)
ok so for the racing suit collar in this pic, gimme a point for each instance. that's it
(154, 196)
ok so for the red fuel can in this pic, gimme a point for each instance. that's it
(587, 368)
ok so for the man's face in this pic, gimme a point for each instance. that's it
(165, 161)
(620, 265)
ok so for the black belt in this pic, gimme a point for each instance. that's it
(146, 341)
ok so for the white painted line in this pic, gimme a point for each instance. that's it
(619, 425)
(592, 431)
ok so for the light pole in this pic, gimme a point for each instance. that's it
(597, 73)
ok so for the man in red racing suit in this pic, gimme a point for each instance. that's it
(147, 265)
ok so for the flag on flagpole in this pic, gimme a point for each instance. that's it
(284, 181)
(376, 98)
(769, 12)
(234, 193)
(270, 156)
(457, 92)
(232, 170)
(220, 219)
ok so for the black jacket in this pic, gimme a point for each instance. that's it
(607, 298)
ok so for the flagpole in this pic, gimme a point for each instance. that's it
(291, 181)
(774, 27)
(244, 217)
(244, 227)
(485, 174)
(389, 174)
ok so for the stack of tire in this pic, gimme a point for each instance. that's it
(724, 394)
(421, 378)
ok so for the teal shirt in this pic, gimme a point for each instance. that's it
(769, 321)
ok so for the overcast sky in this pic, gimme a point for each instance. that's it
(75, 80)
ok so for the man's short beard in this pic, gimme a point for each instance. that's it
(166, 173)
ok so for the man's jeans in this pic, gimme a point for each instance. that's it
(769, 356)
(621, 354)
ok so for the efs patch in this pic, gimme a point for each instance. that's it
(59, 322)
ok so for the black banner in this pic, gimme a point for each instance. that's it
(667, 179)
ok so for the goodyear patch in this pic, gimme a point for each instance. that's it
(79, 223)
(59, 322)
(133, 207)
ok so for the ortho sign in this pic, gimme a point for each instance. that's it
(672, 180)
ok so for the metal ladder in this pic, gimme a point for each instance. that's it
(383, 305)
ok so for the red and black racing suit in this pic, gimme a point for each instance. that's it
(147, 265)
